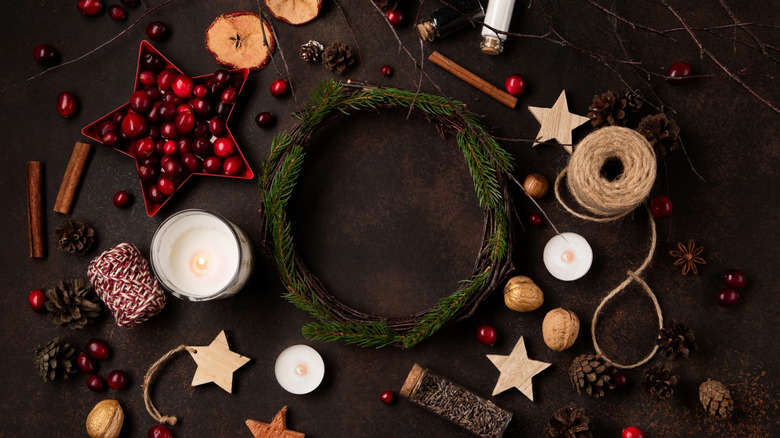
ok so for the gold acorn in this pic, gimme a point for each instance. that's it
(521, 294)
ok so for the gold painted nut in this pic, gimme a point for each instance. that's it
(521, 294)
(105, 420)
(536, 185)
(560, 329)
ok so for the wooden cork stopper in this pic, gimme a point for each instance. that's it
(413, 380)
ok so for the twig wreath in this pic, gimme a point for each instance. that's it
(488, 164)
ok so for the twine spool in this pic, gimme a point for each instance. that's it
(123, 280)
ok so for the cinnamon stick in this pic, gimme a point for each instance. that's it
(72, 178)
(35, 230)
(473, 80)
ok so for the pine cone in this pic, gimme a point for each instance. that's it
(54, 360)
(569, 422)
(659, 382)
(661, 132)
(607, 109)
(337, 57)
(634, 99)
(74, 237)
(676, 340)
(716, 399)
(386, 5)
(590, 373)
(311, 51)
(72, 304)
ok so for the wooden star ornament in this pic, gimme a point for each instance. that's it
(516, 370)
(277, 428)
(216, 363)
(557, 122)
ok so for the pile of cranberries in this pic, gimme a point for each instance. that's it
(99, 350)
(174, 126)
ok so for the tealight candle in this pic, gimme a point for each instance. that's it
(299, 369)
(567, 256)
(198, 255)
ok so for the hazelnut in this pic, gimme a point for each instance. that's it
(105, 420)
(536, 185)
(521, 294)
(560, 329)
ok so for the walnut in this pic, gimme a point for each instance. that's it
(521, 294)
(560, 329)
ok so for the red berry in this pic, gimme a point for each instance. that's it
(159, 431)
(201, 147)
(386, 70)
(116, 12)
(166, 185)
(487, 335)
(96, 383)
(678, 72)
(98, 349)
(134, 125)
(67, 104)
(184, 122)
(122, 199)
(279, 88)
(85, 363)
(140, 102)
(535, 220)
(233, 165)
(117, 380)
(734, 278)
(728, 297)
(147, 174)
(515, 85)
(168, 131)
(224, 147)
(182, 86)
(37, 299)
(632, 432)
(200, 90)
(45, 55)
(619, 379)
(155, 195)
(229, 95)
(212, 164)
(157, 31)
(191, 162)
(144, 148)
(89, 7)
(165, 79)
(660, 206)
(395, 17)
(387, 397)
(216, 127)
(265, 120)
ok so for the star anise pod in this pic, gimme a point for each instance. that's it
(687, 257)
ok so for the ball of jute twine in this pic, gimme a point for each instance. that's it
(611, 199)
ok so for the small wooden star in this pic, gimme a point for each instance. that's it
(557, 122)
(516, 370)
(276, 429)
(216, 363)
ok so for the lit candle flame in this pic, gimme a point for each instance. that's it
(567, 256)
(200, 264)
(301, 370)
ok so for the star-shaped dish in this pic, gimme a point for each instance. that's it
(276, 429)
(92, 130)
(216, 363)
(516, 370)
(557, 122)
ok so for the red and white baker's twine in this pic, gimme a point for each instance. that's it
(122, 278)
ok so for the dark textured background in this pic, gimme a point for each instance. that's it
(386, 216)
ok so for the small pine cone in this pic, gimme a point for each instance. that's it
(54, 360)
(338, 58)
(676, 340)
(72, 304)
(661, 132)
(591, 374)
(659, 382)
(607, 109)
(74, 237)
(569, 422)
(634, 99)
(716, 399)
(311, 51)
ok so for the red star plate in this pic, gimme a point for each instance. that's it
(126, 146)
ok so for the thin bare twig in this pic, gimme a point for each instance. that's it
(354, 38)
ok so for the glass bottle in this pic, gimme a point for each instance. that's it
(447, 20)
(498, 16)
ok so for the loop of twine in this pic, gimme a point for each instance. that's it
(162, 419)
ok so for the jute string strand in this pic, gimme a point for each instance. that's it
(162, 419)
(613, 199)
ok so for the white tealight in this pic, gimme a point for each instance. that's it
(568, 256)
(299, 369)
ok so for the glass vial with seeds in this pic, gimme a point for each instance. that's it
(498, 17)
(458, 405)
(447, 20)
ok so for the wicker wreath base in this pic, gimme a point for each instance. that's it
(488, 165)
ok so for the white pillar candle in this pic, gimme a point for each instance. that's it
(299, 369)
(198, 255)
(567, 256)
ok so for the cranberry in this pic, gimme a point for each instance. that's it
(487, 335)
(166, 111)
(168, 131)
(632, 432)
(395, 17)
(172, 98)
(170, 147)
(221, 109)
(147, 174)
(116, 12)
(159, 431)
(619, 379)
(173, 168)
(387, 397)
(140, 102)
(134, 125)
(37, 299)
(131, 3)
(728, 297)
(98, 349)
(144, 148)
(117, 380)
(85, 363)
(265, 120)
(96, 383)
(67, 104)
(152, 62)
(233, 165)
(184, 145)
(110, 138)
(191, 162)
(660, 206)
(200, 90)
(201, 129)
(515, 85)
(154, 93)
(117, 118)
(535, 220)
(166, 185)
(229, 95)
(182, 86)
(212, 164)
(734, 278)
(147, 78)
(89, 7)
(155, 195)
(106, 126)
(122, 199)
(280, 87)
(386, 70)
(165, 79)
(153, 117)
(224, 147)
(678, 72)
(157, 31)
(202, 147)
(184, 123)
(152, 161)
(202, 107)
(185, 108)
(221, 78)
(216, 127)
(45, 55)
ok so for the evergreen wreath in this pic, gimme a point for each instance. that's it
(488, 164)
